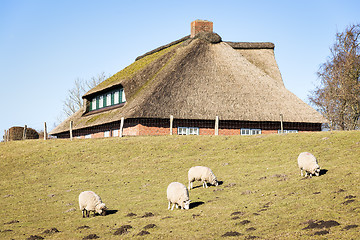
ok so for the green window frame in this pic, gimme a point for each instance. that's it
(107, 99)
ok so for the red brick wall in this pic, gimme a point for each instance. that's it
(268, 131)
(143, 130)
(156, 131)
(131, 131)
(135, 127)
(97, 135)
(201, 26)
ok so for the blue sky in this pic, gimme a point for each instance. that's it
(46, 45)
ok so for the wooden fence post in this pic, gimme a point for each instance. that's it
(281, 124)
(71, 130)
(45, 131)
(171, 124)
(24, 132)
(121, 127)
(217, 125)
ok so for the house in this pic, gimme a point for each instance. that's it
(197, 85)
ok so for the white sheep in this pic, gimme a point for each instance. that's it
(200, 173)
(90, 201)
(308, 163)
(178, 195)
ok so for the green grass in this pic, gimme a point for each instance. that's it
(41, 180)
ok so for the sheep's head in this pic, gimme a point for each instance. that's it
(101, 209)
(214, 180)
(315, 170)
(186, 204)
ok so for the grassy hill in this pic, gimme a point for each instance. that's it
(261, 194)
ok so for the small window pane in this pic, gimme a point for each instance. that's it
(101, 101)
(193, 131)
(108, 99)
(182, 131)
(115, 133)
(107, 134)
(245, 131)
(116, 97)
(123, 99)
(255, 131)
(93, 104)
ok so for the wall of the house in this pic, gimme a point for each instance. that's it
(136, 127)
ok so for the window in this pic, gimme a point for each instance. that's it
(115, 133)
(101, 101)
(288, 131)
(248, 131)
(116, 97)
(107, 134)
(188, 131)
(182, 131)
(108, 99)
(193, 131)
(123, 95)
(88, 136)
(93, 104)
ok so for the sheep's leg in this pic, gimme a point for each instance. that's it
(83, 213)
(302, 174)
(176, 205)
(172, 208)
(169, 205)
(87, 213)
(189, 185)
(204, 184)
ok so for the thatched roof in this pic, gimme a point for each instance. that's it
(196, 79)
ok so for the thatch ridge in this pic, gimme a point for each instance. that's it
(163, 47)
(251, 45)
(210, 37)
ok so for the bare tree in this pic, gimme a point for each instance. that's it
(74, 100)
(338, 96)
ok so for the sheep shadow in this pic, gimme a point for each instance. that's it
(323, 172)
(110, 212)
(209, 185)
(195, 204)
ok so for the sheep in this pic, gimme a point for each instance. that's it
(178, 195)
(308, 163)
(90, 201)
(200, 173)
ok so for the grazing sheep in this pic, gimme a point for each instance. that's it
(90, 201)
(178, 195)
(203, 174)
(308, 163)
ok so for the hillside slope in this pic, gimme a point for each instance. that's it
(261, 194)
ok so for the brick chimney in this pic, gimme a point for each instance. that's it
(201, 26)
